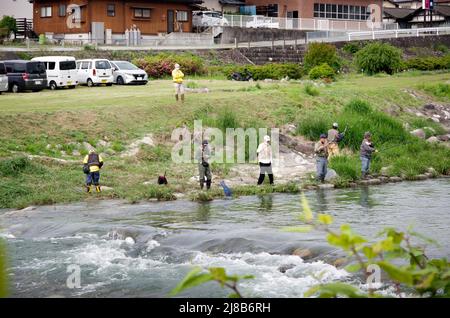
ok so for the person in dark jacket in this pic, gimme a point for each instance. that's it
(93, 162)
(202, 155)
(367, 148)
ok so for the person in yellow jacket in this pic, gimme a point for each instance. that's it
(93, 162)
(178, 77)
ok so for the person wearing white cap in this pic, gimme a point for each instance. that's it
(264, 153)
(178, 77)
(333, 139)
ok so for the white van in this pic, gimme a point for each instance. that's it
(94, 72)
(61, 71)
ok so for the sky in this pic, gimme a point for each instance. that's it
(16, 8)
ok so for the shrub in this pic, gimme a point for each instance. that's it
(311, 90)
(320, 53)
(351, 47)
(162, 64)
(379, 57)
(429, 63)
(442, 48)
(323, 71)
(267, 71)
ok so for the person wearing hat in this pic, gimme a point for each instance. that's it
(367, 148)
(321, 150)
(264, 153)
(204, 170)
(178, 77)
(93, 162)
(333, 139)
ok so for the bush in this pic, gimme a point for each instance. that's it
(347, 167)
(320, 53)
(270, 71)
(323, 71)
(351, 47)
(425, 63)
(379, 57)
(428, 63)
(162, 64)
(311, 90)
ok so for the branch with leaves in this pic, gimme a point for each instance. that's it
(218, 274)
(429, 278)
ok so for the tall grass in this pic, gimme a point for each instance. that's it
(404, 154)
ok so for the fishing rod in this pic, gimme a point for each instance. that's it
(395, 146)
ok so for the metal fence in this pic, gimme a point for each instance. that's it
(333, 36)
(256, 21)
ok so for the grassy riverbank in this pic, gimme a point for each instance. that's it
(55, 124)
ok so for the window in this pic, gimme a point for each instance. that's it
(142, 13)
(111, 10)
(2, 69)
(46, 12)
(182, 16)
(51, 65)
(341, 12)
(102, 65)
(20, 68)
(62, 10)
(85, 65)
(67, 65)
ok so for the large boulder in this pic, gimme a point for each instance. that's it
(433, 139)
(418, 133)
(331, 175)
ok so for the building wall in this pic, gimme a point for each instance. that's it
(306, 7)
(96, 11)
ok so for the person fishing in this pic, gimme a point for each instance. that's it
(264, 154)
(178, 77)
(333, 138)
(92, 164)
(367, 149)
(321, 151)
(203, 154)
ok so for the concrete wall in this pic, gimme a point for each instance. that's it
(260, 34)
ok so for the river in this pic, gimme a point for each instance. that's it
(145, 249)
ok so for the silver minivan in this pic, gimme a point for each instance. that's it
(3, 78)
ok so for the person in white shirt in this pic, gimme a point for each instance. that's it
(264, 152)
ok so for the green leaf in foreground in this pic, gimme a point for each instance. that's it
(333, 290)
(192, 279)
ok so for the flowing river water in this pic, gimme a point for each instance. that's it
(145, 249)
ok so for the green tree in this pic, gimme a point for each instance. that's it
(379, 57)
(8, 23)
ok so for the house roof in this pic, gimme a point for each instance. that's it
(232, 2)
(442, 10)
(398, 13)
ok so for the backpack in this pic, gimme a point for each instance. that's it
(162, 179)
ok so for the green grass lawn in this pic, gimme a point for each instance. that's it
(121, 114)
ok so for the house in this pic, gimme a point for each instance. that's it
(225, 6)
(354, 10)
(86, 19)
(410, 14)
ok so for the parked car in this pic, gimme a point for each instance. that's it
(128, 73)
(262, 22)
(26, 75)
(95, 72)
(208, 18)
(3, 78)
(61, 71)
